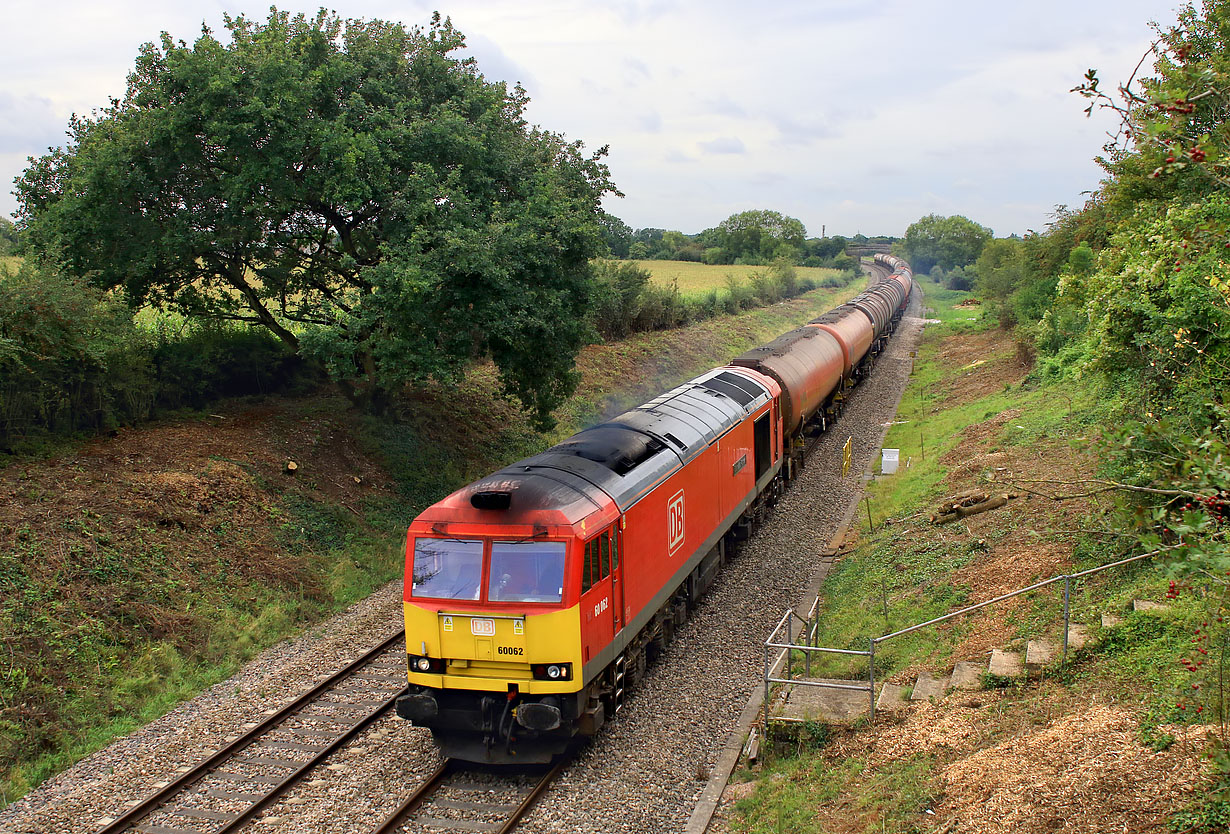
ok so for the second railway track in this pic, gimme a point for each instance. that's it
(230, 787)
(455, 798)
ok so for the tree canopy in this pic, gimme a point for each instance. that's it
(946, 241)
(10, 239)
(757, 236)
(352, 186)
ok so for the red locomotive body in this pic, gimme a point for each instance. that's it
(534, 595)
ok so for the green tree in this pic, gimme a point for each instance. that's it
(1173, 136)
(353, 186)
(617, 235)
(947, 241)
(758, 236)
(1001, 272)
(10, 239)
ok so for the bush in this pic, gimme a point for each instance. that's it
(739, 296)
(617, 296)
(219, 361)
(72, 359)
(625, 300)
(959, 279)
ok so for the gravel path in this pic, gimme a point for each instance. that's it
(644, 772)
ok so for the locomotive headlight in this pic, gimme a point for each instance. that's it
(423, 664)
(552, 671)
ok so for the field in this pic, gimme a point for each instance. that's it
(695, 278)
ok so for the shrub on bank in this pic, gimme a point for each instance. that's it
(73, 359)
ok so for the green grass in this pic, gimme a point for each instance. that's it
(889, 799)
(902, 574)
(694, 279)
(118, 684)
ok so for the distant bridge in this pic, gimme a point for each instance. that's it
(857, 250)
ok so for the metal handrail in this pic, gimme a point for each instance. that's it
(809, 632)
(811, 625)
(1017, 593)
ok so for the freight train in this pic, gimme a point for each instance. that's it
(535, 597)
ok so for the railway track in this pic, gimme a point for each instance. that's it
(233, 785)
(458, 799)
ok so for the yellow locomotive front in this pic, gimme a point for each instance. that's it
(493, 631)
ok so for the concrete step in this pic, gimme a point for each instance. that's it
(1111, 621)
(929, 686)
(1079, 636)
(1146, 605)
(815, 703)
(1006, 664)
(1038, 653)
(892, 697)
(967, 675)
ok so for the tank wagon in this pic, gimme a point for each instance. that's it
(536, 596)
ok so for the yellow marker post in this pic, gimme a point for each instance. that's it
(847, 454)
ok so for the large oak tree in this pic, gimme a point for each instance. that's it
(353, 186)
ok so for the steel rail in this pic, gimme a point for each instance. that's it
(211, 763)
(420, 795)
(435, 781)
(532, 797)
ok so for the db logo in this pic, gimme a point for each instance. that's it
(674, 522)
(482, 628)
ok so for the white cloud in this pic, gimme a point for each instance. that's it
(852, 114)
(724, 144)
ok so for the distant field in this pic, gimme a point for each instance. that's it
(9, 262)
(695, 278)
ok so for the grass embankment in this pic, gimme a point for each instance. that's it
(139, 569)
(1093, 743)
(696, 279)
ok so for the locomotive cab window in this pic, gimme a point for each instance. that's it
(526, 572)
(447, 568)
(600, 558)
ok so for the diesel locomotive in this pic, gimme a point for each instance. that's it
(536, 596)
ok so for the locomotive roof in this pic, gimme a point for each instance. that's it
(622, 459)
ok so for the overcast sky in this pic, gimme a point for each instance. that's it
(852, 115)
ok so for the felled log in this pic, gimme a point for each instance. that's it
(956, 513)
(965, 499)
